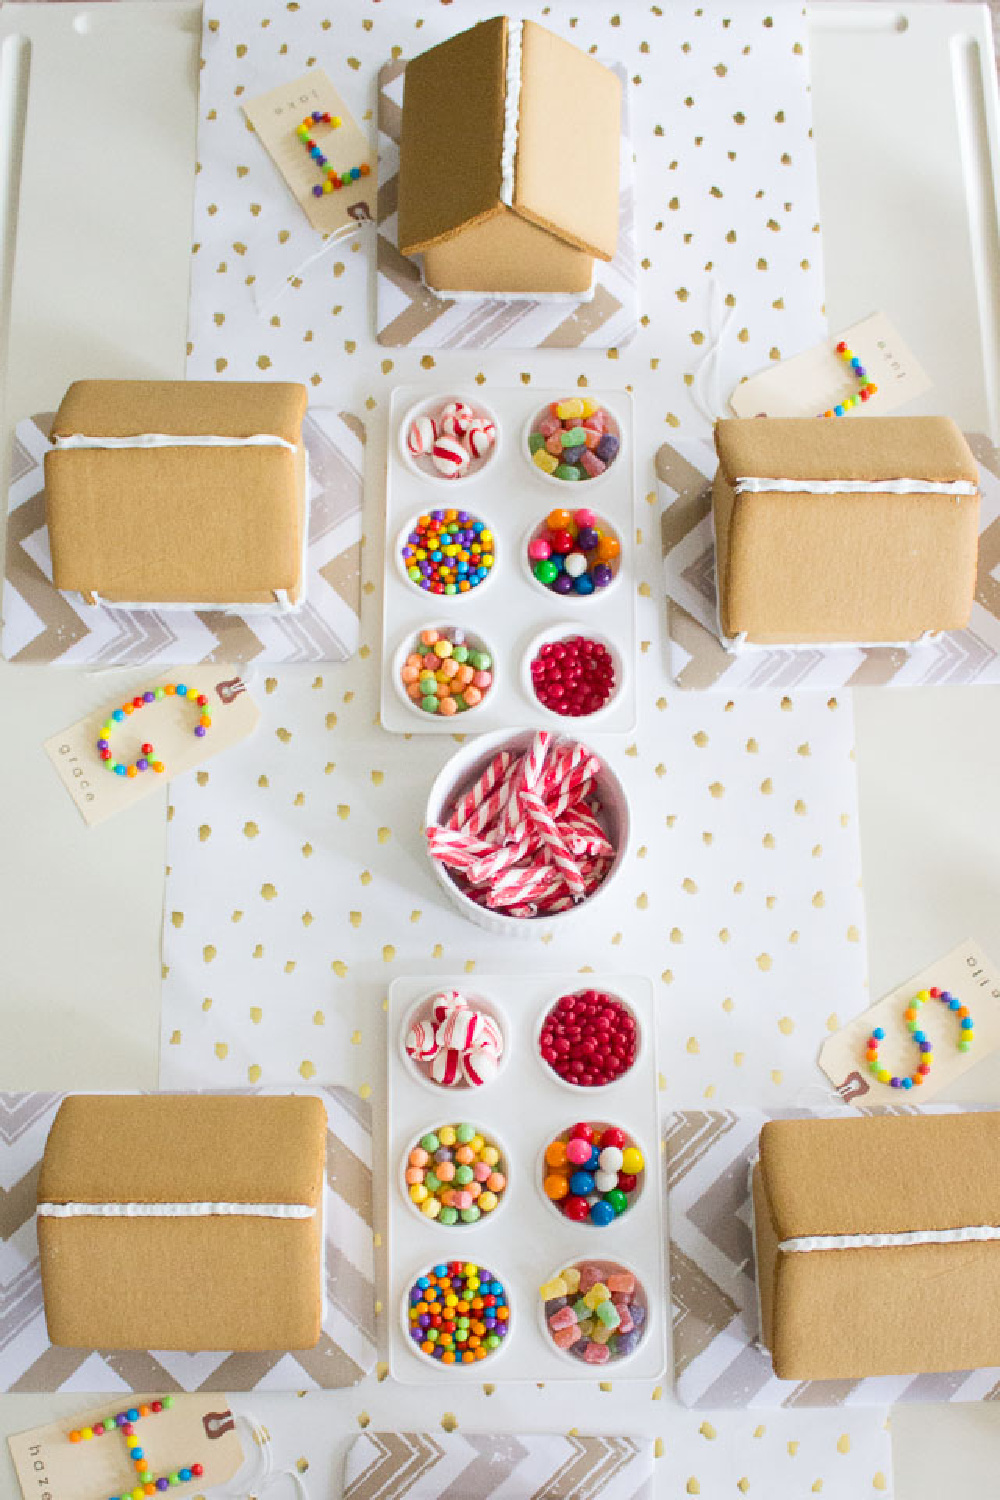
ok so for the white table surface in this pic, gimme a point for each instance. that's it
(101, 283)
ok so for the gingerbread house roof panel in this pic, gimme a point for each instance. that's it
(569, 124)
(452, 136)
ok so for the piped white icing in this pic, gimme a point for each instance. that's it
(972, 1233)
(175, 1210)
(173, 440)
(751, 485)
(511, 112)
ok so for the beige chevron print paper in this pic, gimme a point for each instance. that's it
(479, 1466)
(409, 313)
(717, 1361)
(684, 473)
(346, 1350)
(42, 625)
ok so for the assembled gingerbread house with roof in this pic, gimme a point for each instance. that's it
(509, 162)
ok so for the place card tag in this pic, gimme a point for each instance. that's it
(196, 1429)
(966, 973)
(277, 115)
(168, 725)
(815, 381)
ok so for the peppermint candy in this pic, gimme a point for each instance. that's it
(421, 436)
(421, 1042)
(446, 1069)
(479, 1067)
(480, 436)
(457, 1044)
(450, 458)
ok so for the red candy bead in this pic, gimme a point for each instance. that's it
(157, 1405)
(201, 700)
(196, 1469)
(147, 749)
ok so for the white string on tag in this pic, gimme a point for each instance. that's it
(258, 1475)
(710, 403)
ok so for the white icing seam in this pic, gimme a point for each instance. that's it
(511, 112)
(973, 1233)
(173, 440)
(175, 1210)
(751, 485)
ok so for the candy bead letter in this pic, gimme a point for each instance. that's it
(125, 1422)
(911, 1017)
(145, 761)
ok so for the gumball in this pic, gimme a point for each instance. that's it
(584, 584)
(576, 1209)
(561, 541)
(558, 520)
(450, 458)
(612, 1159)
(581, 1131)
(587, 538)
(632, 1160)
(581, 1184)
(421, 435)
(614, 1137)
(608, 548)
(556, 1186)
(578, 1152)
(627, 1182)
(605, 1181)
(563, 584)
(575, 564)
(555, 1154)
(601, 575)
(601, 1213)
(539, 550)
(546, 572)
(617, 1200)
(584, 517)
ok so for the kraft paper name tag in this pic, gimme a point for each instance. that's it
(967, 974)
(168, 725)
(815, 381)
(195, 1430)
(277, 115)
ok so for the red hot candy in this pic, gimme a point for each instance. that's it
(589, 1039)
(574, 677)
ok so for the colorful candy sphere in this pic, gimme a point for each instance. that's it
(566, 552)
(446, 672)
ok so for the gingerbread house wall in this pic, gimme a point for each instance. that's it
(505, 253)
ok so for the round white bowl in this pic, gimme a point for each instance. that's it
(579, 1090)
(609, 1264)
(490, 1361)
(458, 775)
(408, 644)
(574, 600)
(562, 633)
(424, 467)
(460, 1227)
(542, 1171)
(569, 486)
(436, 600)
(421, 1009)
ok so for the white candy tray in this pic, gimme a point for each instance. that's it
(510, 610)
(525, 1240)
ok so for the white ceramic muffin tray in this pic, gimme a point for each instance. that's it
(510, 610)
(524, 1241)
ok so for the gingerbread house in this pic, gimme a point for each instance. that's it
(509, 162)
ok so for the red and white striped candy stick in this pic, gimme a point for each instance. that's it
(583, 834)
(482, 871)
(523, 885)
(538, 815)
(486, 821)
(483, 788)
(528, 775)
(454, 849)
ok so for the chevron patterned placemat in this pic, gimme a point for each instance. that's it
(717, 1360)
(684, 473)
(476, 1466)
(346, 1350)
(42, 625)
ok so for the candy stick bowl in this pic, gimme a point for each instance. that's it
(413, 429)
(570, 637)
(460, 1087)
(458, 779)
